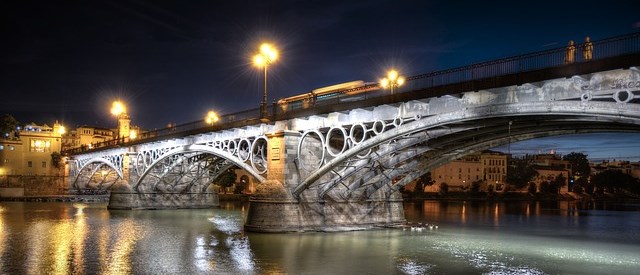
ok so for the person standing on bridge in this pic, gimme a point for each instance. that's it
(587, 50)
(571, 53)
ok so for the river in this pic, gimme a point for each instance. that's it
(470, 238)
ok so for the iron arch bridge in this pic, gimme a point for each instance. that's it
(353, 155)
(313, 171)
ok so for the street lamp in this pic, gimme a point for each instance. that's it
(393, 81)
(211, 118)
(133, 134)
(117, 108)
(267, 55)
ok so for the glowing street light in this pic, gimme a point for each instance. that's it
(267, 55)
(117, 108)
(133, 134)
(392, 81)
(211, 118)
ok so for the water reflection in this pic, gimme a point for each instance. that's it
(473, 237)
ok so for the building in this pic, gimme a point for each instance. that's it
(489, 168)
(627, 167)
(549, 167)
(29, 150)
(549, 174)
(90, 136)
(86, 136)
(552, 160)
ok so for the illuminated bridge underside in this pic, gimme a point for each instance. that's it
(356, 162)
(344, 169)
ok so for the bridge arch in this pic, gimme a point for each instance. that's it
(193, 155)
(90, 167)
(602, 116)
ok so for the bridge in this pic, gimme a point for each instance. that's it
(339, 163)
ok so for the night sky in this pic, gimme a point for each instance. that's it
(172, 61)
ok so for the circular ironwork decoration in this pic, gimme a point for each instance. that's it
(336, 138)
(311, 151)
(623, 96)
(244, 149)
(378, 127)
(259, 154)
(357, 133)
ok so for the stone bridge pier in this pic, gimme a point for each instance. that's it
(275, 208)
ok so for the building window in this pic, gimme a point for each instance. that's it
(44, 164)
(1, 147)
(11, 148)
(29, 164)
(40, 145)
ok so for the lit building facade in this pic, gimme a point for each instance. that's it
(488, 167)
(29, 151)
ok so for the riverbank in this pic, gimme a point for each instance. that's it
(60, 198)
(518, 196)
(102, 198)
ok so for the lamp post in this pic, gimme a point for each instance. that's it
(267, 55)
(211, 118)
(392, 81)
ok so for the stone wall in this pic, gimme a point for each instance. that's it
(33, 186)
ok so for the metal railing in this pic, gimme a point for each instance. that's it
(602, 49)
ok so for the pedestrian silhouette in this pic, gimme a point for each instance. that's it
(587, 49)
(571, 53)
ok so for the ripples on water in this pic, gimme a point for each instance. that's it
(472, 238)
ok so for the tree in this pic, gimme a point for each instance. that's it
(579, 164)
(8, 124)
(475, 186)
(227, 179)
(520, 172)
(557, 183)
(424, 180)
(545, 188)
(578, 189)
(613, 180)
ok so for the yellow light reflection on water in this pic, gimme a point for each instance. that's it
(78, 245)
(3, 232)
(496, 215)
(463, 214)
(119, 261)
(58, 246)
(60, 240)
(37, 238)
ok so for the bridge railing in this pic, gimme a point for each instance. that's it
(610, 47)
(605, 48)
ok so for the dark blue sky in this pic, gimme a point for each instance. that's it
(171, 61)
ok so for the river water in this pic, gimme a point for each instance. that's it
(471, 238)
